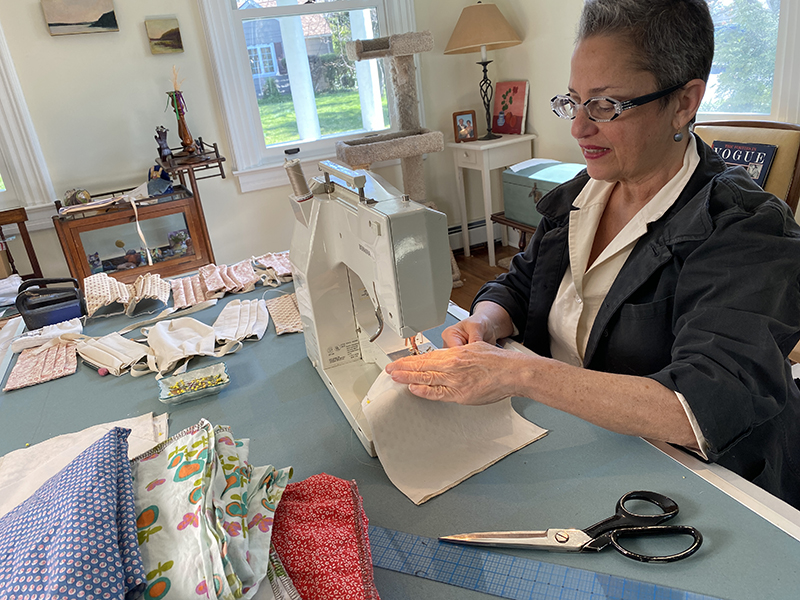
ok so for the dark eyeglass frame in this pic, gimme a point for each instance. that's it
(619, 106)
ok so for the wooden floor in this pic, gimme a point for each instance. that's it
(475, 271)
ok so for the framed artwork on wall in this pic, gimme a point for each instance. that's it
(510, 107)
(69, 17)
(464, 126)
(164, 35)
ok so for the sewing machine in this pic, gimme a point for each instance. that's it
(371, 269)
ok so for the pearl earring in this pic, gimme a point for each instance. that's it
(678, 137)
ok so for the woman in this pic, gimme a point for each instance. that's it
(660, 293)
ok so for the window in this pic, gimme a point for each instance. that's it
(746, 37)
(755, 60)
(285, 81)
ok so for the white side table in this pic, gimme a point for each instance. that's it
(484, 156)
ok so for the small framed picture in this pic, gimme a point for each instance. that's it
(464, 126)
(510, 107)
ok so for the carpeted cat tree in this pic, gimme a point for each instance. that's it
(412, 141)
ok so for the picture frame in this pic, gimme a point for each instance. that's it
(464, 126)
(510, 107)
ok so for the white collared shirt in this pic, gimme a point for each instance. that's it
(583, 290)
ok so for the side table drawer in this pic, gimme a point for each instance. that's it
(467, 157)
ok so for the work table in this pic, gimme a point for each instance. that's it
(570, 478)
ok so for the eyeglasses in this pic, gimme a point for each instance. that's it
(602, 108)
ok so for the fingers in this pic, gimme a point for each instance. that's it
(455, 335)
(428, 392)
(466, 332)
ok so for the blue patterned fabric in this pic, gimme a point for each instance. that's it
(76, 536)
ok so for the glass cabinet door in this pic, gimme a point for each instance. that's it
(120, 247)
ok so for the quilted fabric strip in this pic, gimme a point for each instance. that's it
(76, 536)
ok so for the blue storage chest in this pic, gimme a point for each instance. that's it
(524, 187)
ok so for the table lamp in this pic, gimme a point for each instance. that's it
(482, 27)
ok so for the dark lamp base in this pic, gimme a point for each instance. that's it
(490, 136)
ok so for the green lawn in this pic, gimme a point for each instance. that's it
(338, 112)
(2, 185)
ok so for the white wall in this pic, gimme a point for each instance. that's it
(96, 100)
(450, 84)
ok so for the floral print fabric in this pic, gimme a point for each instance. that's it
(213, 281)
(36, 365)
(321, 534)
(76, 536)
(204, 515)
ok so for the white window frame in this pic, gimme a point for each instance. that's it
(786, 82)
(25, 173)
(254, 166)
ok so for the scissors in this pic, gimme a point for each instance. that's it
(622, 524)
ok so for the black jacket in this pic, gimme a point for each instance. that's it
(707, 304)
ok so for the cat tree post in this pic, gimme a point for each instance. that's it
(412, 141)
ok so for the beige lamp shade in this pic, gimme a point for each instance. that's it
(481, 25)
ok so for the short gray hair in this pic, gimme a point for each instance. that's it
(675, 38)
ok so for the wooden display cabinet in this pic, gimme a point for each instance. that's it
(174, 226)
(107, 240)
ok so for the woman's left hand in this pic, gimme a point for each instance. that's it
(477, 373)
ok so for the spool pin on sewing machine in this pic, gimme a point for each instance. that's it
(371, 269)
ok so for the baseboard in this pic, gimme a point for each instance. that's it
(477, 235)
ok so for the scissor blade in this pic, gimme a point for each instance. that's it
(553, 540)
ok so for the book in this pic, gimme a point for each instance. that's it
(510, 107)
(755, 158)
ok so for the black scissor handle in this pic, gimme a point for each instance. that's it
(624, 518)
(649, 530)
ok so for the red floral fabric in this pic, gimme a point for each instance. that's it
(321, 535)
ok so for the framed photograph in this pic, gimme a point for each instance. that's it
(510, 107)
(464, 127)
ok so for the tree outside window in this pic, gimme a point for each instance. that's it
(313, 90)
(746, 37)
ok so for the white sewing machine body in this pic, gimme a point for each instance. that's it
(356, 262)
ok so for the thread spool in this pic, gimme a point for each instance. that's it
(299, 186)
